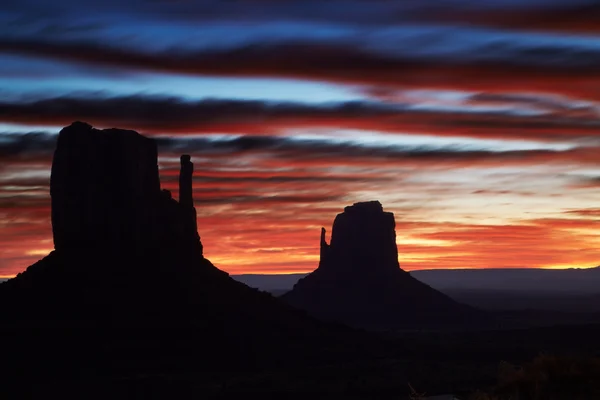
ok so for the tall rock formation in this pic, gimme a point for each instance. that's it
(359, 280)
(106, 195)
(186, 204)
(103, 188)
(127, 289)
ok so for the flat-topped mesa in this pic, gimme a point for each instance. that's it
(363, 240)
(106, 195)
(103, 187)
(359, 280)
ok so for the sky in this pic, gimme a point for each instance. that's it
(476, 123)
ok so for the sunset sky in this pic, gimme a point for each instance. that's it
(476, 122)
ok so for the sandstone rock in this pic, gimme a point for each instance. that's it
(359, 280)
(104, 187)
(363, 241)
(106, 195)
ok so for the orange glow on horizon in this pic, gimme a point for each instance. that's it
(280, 234)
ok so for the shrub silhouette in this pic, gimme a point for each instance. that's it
(547, 377)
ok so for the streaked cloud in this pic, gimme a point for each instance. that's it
(476, 123)
(156, 114)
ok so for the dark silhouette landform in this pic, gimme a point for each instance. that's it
(359, 280)
(127, 288)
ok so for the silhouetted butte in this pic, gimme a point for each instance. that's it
(359, 280)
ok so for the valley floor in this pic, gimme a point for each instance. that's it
(432, 363)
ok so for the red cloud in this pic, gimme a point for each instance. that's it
(568, 18)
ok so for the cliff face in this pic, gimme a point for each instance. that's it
(362, 236)
(359, 281)
(106, 194)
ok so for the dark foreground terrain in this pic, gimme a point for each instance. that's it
(97, 362)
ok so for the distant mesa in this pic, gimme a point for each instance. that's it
(359, 280)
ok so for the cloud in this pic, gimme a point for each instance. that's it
(27, 145)
(521, 244)
(498, 64)
(586, 212)
(291, 152)
(267, 192)
(162, 115)
(585, 182)
(274, 192)
(373, 13)
(248, 209)
(566, 17)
